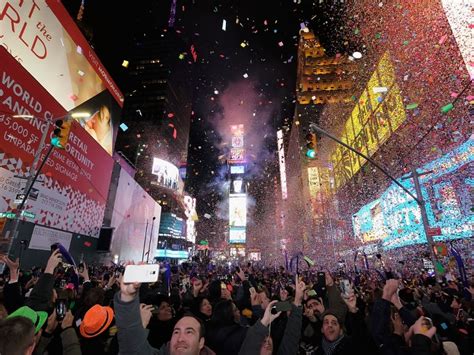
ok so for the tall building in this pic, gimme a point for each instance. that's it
(321, 81)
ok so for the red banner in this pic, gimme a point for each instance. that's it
(72, 190)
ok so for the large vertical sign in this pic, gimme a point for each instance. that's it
(281, 162)
(237, 196)
(378, 113)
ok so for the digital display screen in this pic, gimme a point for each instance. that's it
(237, 169)
(237, 210)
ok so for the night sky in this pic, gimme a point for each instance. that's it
(255, 57)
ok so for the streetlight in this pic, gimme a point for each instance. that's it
(34, 173)
(418, 198)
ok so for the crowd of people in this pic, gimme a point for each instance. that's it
(198, 308)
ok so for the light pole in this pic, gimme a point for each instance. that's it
(13, 233)
(418, 199)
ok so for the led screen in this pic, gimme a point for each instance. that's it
(167, 173)
(172, 254)
(374, 118)
(395, 217)
(237, 210)
(237, 235)
(237, 169)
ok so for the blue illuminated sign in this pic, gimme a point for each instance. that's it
(447, 191)
(172, 254)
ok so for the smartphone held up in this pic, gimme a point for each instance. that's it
(145, 273)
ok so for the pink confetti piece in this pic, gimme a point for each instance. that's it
(73, 97)
(454, 94)
(443, 39)
(470, 98)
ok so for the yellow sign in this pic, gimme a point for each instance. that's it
(378, 113)
(313, 182)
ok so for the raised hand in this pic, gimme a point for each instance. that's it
(53, 262)
(420, 328)
(241, 274)
(84, 273)
(197, 287)
(12, 265)
(67, 321)
(52, 323)
(145, 313)
(351, 302)
(390, 288)
(299, 291)
(128, 291)
(268, 317)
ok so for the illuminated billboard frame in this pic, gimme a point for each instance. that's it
(378, 113)
(172, 254)
(282, 164)
(237, 169)
(446, 190)
(167, 173)
(237, 210)
(237, 235)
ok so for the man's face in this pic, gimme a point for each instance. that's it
(185, 339)
(331, 328)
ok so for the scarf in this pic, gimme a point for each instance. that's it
(329, 347)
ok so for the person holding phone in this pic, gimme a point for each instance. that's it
(188, 333)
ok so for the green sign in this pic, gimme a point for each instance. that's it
(28, 214)
(7, 215)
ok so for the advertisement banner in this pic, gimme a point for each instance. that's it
(167, 173)
(43, 37)
(237, 210)
(71, 191)
(45, 40)
(378, 113)
(237, 235)
(42, 238)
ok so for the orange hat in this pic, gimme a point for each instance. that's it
(96, 320)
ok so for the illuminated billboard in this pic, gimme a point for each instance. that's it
(237, 235)
(74, 182)
(237, 142)
(167, 173)
(237, 155)
(191, 218)
(237, 130)
(368, 223)
(237, 185)
(281, 162)
(447, 190)
(237, 169)
(45, 40)
(378, 113)
(238, 210)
